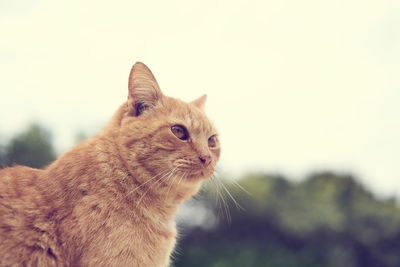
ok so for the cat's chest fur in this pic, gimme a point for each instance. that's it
(115, 238)
(88, 230)
(108, 225)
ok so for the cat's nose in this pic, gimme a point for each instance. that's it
(205, 159)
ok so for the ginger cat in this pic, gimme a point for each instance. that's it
(111, 200)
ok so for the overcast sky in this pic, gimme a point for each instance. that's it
(293, 86)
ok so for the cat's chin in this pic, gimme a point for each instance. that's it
(200, 175)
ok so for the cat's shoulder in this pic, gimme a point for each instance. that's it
(19, 169)
(18, 178)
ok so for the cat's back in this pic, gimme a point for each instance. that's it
(24, 232)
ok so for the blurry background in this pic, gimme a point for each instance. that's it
(305, 95)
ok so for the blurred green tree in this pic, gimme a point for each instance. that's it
(31, 148)
(327, 220)
(2, 156)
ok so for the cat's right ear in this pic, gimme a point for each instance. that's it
(200, 102)
(144, 92)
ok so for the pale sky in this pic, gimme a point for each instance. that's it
(293, 86)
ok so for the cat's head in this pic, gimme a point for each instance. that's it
(169, 138)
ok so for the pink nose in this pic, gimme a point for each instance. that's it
(205, 159)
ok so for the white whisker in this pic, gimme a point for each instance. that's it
(186, 173)
(170, 186)
(230, 195)
(223, 203)
(152, 178)
(233, 181)
(168, 175)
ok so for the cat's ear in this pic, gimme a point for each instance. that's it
(200, 102)
(144, 92)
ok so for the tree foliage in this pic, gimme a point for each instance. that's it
(326, 220)
(32, 148)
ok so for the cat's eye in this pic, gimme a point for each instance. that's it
(180, 132)
(212, 141)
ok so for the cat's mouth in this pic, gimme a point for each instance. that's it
(195, 172)
(199, 175)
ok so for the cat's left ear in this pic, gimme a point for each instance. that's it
(200, 102)
(144, 92)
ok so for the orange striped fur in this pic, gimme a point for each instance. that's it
(111, 200)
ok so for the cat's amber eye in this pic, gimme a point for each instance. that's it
(180, 132)
(212, 141)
